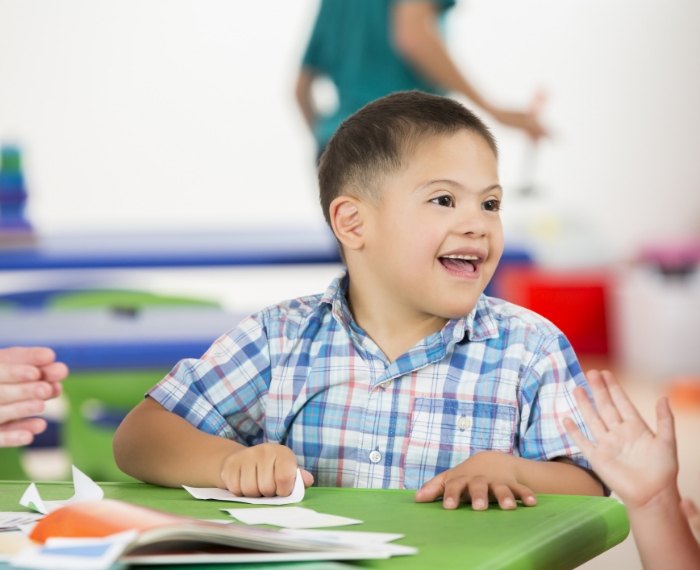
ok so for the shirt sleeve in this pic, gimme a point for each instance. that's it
(328, 39)
(222, 393)
(546, 398)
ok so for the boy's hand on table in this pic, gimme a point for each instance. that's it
(489, 474)
(264, 470)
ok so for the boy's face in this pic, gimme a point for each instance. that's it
(434, 238)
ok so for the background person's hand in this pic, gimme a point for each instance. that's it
(28, 377)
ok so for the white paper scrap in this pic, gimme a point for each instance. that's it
(355, 539)
(216, 494)
(14, 521)
(289, 517)
(85, 489)
(351, 536)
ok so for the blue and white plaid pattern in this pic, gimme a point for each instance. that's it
(303, 374)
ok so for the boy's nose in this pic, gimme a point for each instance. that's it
(472, 223)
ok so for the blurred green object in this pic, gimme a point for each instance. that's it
(98, 401)
(128, 301)
(11, 464)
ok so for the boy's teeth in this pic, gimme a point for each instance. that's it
(465, 257)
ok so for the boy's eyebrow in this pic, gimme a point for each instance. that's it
(492, 188)
(453, 183)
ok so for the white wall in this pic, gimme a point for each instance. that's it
(142, 113)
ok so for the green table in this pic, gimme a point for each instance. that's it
(562, 531)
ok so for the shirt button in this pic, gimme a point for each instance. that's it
(375, 456)
(464, 423)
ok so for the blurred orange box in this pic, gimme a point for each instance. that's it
(576, 301)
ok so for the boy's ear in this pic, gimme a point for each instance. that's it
(346, 220)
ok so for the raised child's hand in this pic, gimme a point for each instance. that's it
(266, 470)
(484, 476)
(632, 460)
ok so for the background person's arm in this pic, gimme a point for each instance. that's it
(304, 97)
(417, 38)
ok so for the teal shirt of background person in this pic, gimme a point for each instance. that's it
(351, 45)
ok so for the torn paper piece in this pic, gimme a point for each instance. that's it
(217, 494)
(85, 489)
(354, 539)
(289, 517)
(15, 521)
(345, 536)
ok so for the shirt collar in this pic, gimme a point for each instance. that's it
(479, 325)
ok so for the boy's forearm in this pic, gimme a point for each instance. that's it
(157, 446)
(559, 476)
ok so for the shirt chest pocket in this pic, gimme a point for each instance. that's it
(446, 432)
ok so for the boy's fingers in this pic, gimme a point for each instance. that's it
(431, 490)
(284, 478)
(307, 477)
(249, 479)
(504, 495)
(525, 494)
(479, 493)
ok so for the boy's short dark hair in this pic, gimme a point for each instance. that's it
(375, 140)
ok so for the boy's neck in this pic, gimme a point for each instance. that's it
(393, 329)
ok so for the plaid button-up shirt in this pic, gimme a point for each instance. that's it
(303, 374)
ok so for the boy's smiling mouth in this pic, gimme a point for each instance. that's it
(461, 264)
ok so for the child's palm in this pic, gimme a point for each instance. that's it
(634, 462)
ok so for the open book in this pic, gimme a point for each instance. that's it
(159, 538)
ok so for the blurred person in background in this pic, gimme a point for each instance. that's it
(370, 48)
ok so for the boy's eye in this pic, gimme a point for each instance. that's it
(444, 200)
(492, 205)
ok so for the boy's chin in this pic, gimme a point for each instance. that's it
(456, 311)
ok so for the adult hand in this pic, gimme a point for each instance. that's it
(28, 377)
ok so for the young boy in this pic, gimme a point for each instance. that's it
(402, 375)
